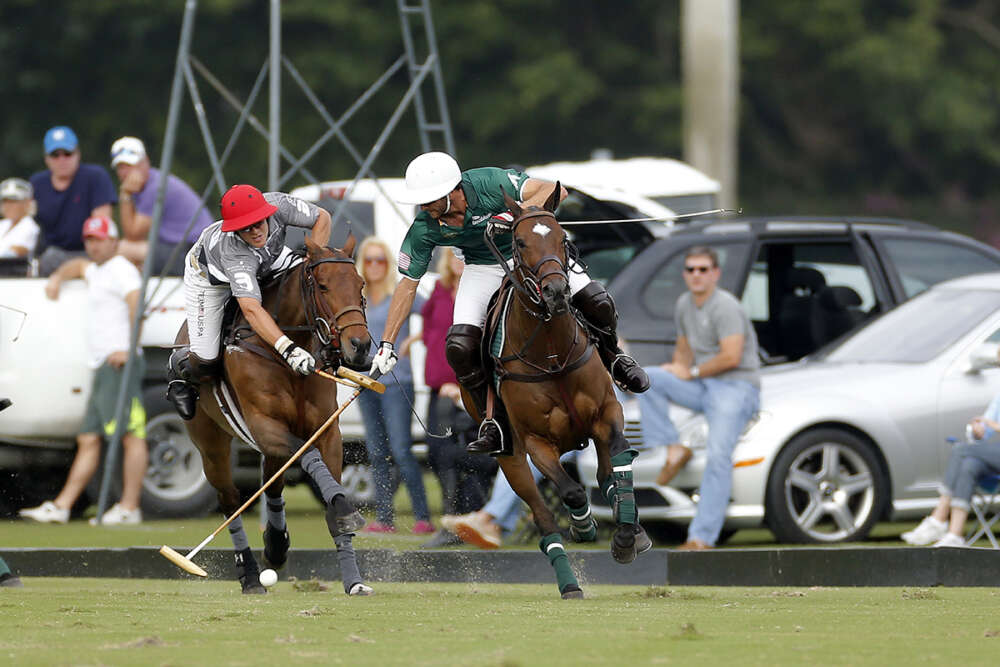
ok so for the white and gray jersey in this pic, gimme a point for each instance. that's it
(226, 259)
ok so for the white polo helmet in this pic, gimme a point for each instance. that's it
(429, 177)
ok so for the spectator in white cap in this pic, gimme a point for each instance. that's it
(18, 230)
(183, 220)
(67, 193)
(113, 285)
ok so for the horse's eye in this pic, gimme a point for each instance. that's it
(322, 287)
(520, 243)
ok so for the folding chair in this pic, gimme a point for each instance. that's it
(986, 507)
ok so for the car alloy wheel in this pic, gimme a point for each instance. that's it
(826, 486)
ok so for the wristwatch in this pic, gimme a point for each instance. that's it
(695, 373)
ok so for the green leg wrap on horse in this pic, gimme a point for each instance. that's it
(617, 487)
(583, 527)
(551, 546)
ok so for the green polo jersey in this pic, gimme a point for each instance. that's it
(482, 188)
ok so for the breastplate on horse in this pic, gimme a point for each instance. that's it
(318, 305)
(558, 395)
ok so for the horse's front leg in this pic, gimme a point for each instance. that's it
(516, 469)
(582, 526)
(347, 520)
(614, 474)
(276, 538)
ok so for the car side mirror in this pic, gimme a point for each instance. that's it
(983, 357)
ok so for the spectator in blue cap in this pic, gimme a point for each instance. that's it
(66, 194)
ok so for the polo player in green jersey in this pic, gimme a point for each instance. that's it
(455, 209)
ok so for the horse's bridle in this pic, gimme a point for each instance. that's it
(326, 325)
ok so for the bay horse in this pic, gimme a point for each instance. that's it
(558, 394)
(318, 299)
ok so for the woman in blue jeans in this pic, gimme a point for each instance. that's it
(967, 464)
(387, 416)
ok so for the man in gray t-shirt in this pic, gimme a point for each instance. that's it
(716, 371)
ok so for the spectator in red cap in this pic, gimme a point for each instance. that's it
(229, 259)
(67, 192)
(112, 298)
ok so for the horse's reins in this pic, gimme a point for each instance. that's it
(326, 325)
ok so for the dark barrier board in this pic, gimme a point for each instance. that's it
(828, 566)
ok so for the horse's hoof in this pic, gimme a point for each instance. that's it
(623, 545)
(350, 521)
(572, 593)
(588, 534)
(642, 541)
(361, 589)
(276, 543)
(254, 590)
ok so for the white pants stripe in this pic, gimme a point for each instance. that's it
(204, 304)
(479, 281)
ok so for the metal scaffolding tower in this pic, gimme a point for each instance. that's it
(424, 66)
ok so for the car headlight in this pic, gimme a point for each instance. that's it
(694, 431)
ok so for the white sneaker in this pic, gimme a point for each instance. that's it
(950, 540)
(929, 531)
(119, 516)
(47, 512)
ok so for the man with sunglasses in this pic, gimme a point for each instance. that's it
(455, 209)
(228, 260)
(67, 192)
(716, 371)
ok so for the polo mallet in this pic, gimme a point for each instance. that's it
(362, 382)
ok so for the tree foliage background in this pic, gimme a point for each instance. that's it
(847, 106)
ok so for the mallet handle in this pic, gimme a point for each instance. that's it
(292, 459)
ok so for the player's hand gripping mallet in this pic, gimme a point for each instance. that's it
(362, 382)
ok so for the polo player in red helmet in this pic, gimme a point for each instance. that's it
(229, 259)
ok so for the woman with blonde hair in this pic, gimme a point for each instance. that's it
(387, 416)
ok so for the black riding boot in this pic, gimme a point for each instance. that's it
(462, 348)
(185, 372)
(598, 309)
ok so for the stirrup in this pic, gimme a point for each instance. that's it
(632, 372)
(486, 442)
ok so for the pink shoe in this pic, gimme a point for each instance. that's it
(378, 527)
(423, 528)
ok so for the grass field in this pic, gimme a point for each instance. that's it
(129, 622)
(308, 529)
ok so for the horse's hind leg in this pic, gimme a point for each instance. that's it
(582, 526)
(614, 472)
(519, 475)
(276, 538)
(214, 444)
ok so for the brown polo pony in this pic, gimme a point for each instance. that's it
(558, 394)
(319, 300)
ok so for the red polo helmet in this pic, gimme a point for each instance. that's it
(242, 206)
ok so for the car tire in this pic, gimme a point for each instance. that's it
(827, 485)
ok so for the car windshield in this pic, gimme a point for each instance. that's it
(917, 330)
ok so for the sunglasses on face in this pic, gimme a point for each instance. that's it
(375, 260)
(698, 269)
(60, 153)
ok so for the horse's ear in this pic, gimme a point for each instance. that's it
(552, 203)
(349, 244)
(511, 204)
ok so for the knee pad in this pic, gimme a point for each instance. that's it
(597, 305)
(463, 355)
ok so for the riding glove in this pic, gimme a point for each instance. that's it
(301, 361)
(385, 359)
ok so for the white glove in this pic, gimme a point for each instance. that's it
(301, 361)
(385, 359)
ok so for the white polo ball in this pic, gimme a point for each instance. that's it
(268, 578)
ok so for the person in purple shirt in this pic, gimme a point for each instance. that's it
(67, 193)
(184, 215)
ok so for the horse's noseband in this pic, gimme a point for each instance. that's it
(529, 278)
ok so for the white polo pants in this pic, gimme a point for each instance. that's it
(480, 281)
(204, 304)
